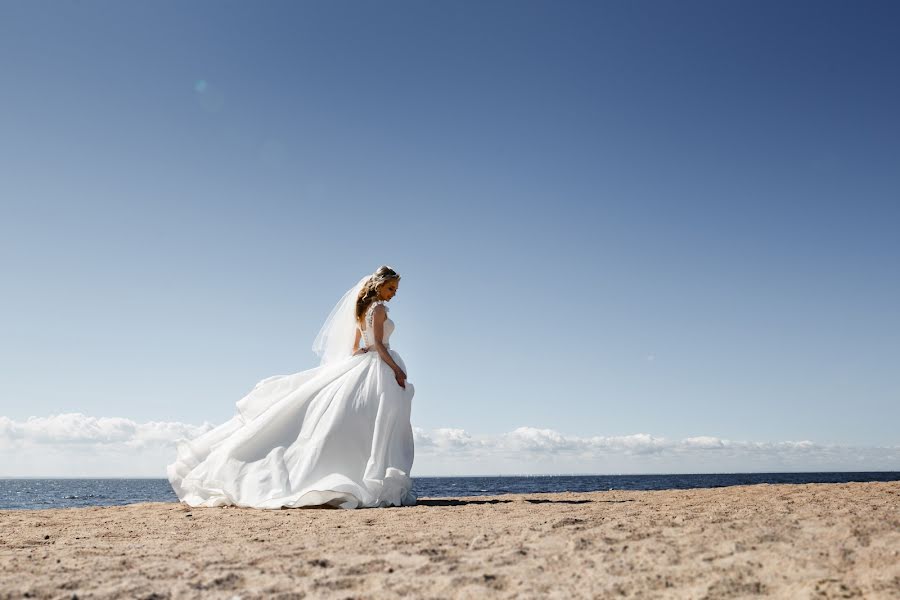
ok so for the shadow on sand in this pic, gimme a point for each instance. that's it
(463, 502)
(542, 501)
(455, 502)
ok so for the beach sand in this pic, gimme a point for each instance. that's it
(787, 541)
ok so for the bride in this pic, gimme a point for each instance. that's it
(337, 435)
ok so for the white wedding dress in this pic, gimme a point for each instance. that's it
(338, 434)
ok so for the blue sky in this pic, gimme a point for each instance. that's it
(611, 218)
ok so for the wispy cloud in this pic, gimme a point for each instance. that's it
(77, 429)
(77, 445)
(534, 450)
(550, 442)
(80, 445)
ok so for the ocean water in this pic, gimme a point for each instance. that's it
(65, 493)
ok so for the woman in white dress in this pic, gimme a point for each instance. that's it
(337, 435)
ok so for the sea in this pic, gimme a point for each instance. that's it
(31, 494)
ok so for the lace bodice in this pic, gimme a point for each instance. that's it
(368, 334)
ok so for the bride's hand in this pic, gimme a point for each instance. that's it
(360, 351)
(401, 378)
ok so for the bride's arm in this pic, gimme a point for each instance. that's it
(356, 348)
(378, 316)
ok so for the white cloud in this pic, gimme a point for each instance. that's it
(530, 450)
(76, 428)
(445, 438)
(74, 444)
(706, 442)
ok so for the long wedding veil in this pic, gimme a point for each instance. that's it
(335, 339)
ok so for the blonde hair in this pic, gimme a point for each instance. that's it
(369, 290)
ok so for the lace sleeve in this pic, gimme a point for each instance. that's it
(370, 315)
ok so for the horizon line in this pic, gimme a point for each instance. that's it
(137, 477)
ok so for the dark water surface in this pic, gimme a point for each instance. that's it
(64, 493)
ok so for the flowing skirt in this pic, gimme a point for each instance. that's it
(337, 435)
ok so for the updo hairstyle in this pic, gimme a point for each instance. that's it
(369, 290)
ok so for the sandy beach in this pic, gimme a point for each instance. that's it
(787, 541)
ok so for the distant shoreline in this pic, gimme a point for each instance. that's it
(673, 474)
(45, 493)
